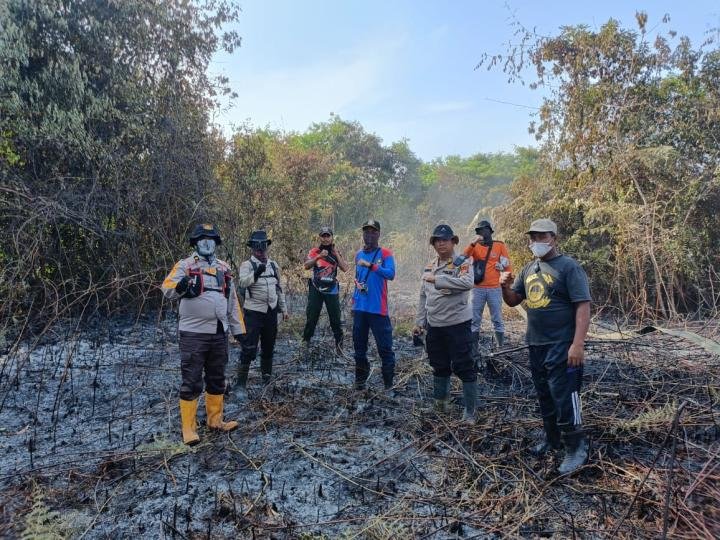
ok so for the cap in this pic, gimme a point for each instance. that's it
(325, 230)
(204, 230)
(257, 237)
(373, 223)
(543, 225)
(444, 232)
(485, 222)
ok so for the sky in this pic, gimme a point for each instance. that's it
(405, 69)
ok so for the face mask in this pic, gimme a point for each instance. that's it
(371, 238)
(540, 249)
(259, 251)
(206, 247)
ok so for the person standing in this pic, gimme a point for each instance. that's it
(323, 287)
(374, 267)
(490, 257)
(444, 312)
(263, 299)
(209, 308)
(557, 297)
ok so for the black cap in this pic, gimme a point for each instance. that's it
(325, 230)
(206, 230)
(444, 232)
(257, 237)
(373, 223)
(486, 222)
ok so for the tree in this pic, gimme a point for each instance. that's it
(105, 148)
(630, 161)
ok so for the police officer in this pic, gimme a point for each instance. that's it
(444, 312)
(557, 297)
(259, 282)
(208, 309)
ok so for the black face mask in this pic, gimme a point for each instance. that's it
(485, 233)
(371, 238)
(327, 248)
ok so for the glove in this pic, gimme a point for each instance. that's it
(259, 271)
(183, 285)
(238, 337)
(188, 287)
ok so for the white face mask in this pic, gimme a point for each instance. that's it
(540, 249)
(206, 247)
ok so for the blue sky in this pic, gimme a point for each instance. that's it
(405, 69)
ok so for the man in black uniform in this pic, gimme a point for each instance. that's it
(557, 297)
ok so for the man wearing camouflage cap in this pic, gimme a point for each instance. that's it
(557, 299)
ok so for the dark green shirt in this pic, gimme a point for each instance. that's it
(550, 288)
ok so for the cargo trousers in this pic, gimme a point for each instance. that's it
(200, 353)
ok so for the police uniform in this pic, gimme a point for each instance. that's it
(209, 308)
(263, 299)
(445, 313)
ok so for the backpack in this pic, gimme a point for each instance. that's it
(243, 290)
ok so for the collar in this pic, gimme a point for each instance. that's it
(443, 264)
(197, 259)
(258, 261)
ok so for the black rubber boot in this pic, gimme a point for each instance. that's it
(470, 401)
(576, 451)
(242, 377)
(441, 393)
(552, 438)
(499, 339)
(361, 377)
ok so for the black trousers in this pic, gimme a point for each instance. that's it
(198, 353)
(260, 328)
(557, 386)
(449, 351)
(315, 302)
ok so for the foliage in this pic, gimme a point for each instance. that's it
(104, 145)
(42, 523)
(629, 162)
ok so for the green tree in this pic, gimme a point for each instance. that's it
(105, 145)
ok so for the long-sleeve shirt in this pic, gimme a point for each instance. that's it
(261, 295)
(499, 261)
(201, 314)
(446, 302)
(375, 298)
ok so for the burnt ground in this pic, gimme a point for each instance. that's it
(90, 446)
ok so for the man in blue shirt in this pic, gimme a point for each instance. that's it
(374, 266)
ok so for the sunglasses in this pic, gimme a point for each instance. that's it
(325, 235)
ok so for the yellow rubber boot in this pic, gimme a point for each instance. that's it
(188, 419)
(214, 408)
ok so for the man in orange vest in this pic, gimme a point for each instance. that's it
(490, 257)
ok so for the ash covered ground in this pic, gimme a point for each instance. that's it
(90, 446)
